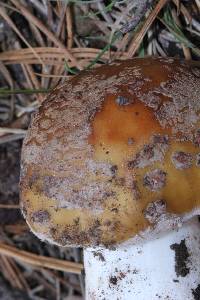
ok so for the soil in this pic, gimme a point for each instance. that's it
(11, 294)
(9, 181)
(181, 257)
(196, 293)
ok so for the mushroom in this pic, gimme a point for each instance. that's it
(111, 163)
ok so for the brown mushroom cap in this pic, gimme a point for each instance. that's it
(111, 151)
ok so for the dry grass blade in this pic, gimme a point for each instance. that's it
(40, 261)
(62, 18)
(16, 228)
(19, 275)
(53, 76)
(11, 273)
(11, 137)
(137, 39)
(176, 31)
(6, 74)
(5, 130)
(55, 56)
(186, 50)
(31, 78)
(9, 206)
(12, 25)
(46, 31)
(184, 11)
(69, 26)
(198, 4)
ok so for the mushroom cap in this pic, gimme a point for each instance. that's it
(113, 153)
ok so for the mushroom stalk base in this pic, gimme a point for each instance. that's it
(163, 268)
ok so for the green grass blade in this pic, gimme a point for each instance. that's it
(4, 92)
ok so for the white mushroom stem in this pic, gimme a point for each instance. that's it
(164, 268)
